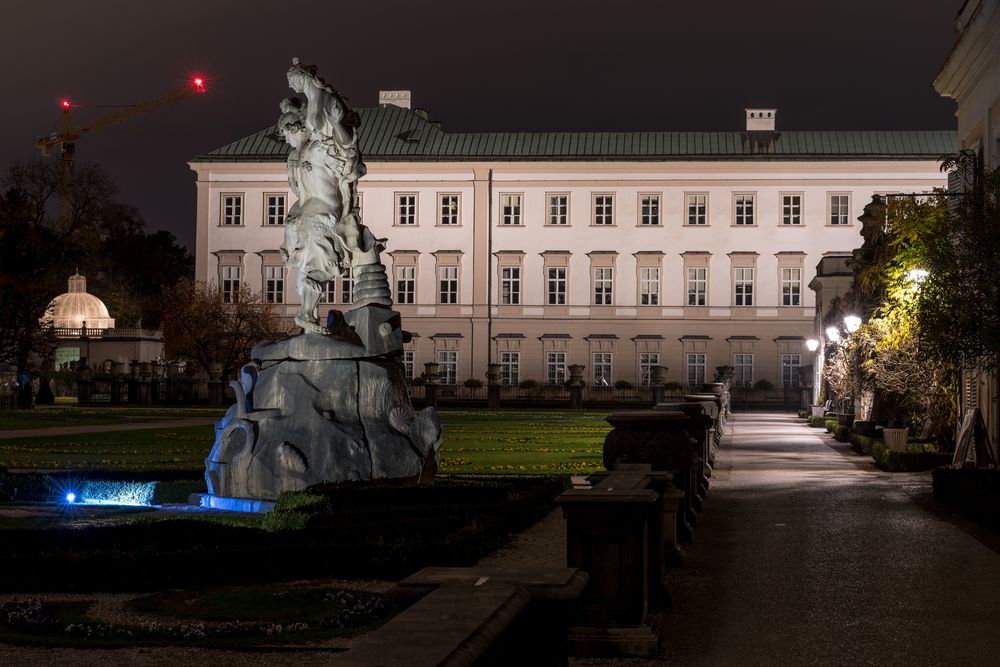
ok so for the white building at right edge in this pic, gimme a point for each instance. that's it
(617, 251)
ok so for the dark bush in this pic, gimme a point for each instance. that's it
(917, 457)
(817, 422)
(830, 423)
(842, 433)
(862, 444)
(763, 385)
(473, 383)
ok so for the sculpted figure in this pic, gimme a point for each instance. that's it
(323, 230)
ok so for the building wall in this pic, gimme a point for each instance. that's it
(479, 326)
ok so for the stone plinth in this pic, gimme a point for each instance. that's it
(314, 408)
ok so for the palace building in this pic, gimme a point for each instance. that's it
(614, 250)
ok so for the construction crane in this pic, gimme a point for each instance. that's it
(69, 132)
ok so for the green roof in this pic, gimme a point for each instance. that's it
(394, 134)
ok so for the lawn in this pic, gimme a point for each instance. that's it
(15, 420)
(522, 442)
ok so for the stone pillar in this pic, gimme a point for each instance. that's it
(575, 385)
(430, 389)
(118, 379)
(493, 386)
(215, 384)
(143, 383)
(657, 378)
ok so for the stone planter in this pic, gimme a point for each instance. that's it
(895, 438)
(817, 410)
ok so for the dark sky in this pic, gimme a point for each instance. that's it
(508, 65)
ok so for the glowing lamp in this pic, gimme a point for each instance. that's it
(71, 497)
(852, 322)
(832, 334)
(812, 344)
(65, 105)
(199, 84)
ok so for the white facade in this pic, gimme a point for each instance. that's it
(721, 269)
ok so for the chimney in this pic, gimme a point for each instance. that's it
(396, 98)
(761, 119)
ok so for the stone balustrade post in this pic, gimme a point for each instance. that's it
(493, 386)
(575, 385)
(431, 376)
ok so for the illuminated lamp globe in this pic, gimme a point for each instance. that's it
(832, 334)
(812, 344)
(852, 322)
(72, 309)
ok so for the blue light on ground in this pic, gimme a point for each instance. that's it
(105, 492)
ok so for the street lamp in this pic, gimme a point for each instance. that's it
(852, 322)
(832, 334)
(812, 344)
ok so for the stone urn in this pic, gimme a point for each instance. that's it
(575, 375)
(657, 375)
(493, 374)
(431, 370)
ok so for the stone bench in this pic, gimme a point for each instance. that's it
(475, 616)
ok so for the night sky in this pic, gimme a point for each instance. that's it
(509, 65)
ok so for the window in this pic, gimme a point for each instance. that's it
(601, 363)
(406, 284)
(697, 285)
(791, 286)
(274, 210)
(408, 365)
(510, 368)
(510, 210)
(695, 368)
(448, 279)
(230, 283)
(329, 294)
(406, 209)
(558, 209)
(232, 210)
(697, 207)
(274, 284)
(791, 209)
(447, 366)
(555, 368)
(649, 286)
(646, 362)
(557, 285)
(649, 210)
(742, 370)
(603, 285)
(449, 209)
(347, 287)
(510, 285)
(790, 371)
(604, 209)
(839, 209)
(743, 286)
(744, 206)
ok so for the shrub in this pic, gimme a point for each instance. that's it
(862, 444)
(817, 422)
(763, 385)
(842, 433)
(917, 457)
(830, 423)
(473, 383)
(528, 384)
(623, 384)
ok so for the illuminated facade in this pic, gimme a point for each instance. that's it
(617, 251)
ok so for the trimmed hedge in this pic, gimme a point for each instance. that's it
(327, 530)
(842, 433)
(830, 423)
(817, 422)
(862, 444)
(916, 458)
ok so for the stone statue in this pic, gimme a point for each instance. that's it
(325, 406)
(323, 230)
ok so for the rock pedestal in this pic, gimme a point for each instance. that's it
(317, 408)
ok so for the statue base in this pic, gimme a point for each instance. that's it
(314, 408)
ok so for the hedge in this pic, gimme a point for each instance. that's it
(817, 422)
(916, 458)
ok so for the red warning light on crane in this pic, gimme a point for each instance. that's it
(65, 104)
(199, 84)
